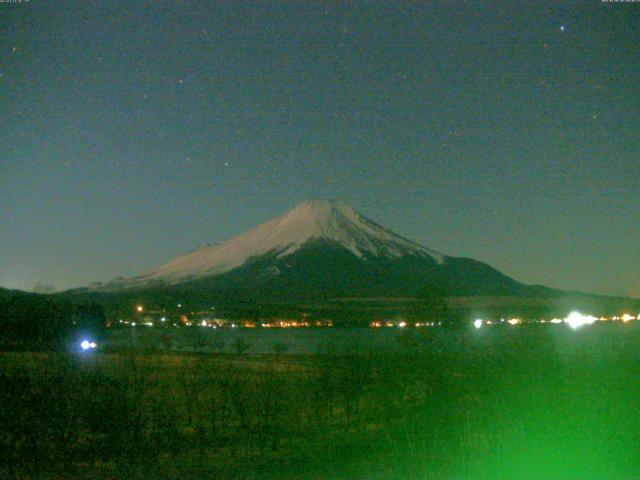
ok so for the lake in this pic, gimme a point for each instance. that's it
(600, 337)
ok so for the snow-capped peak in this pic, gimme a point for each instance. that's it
(313, 220)
(336, 221)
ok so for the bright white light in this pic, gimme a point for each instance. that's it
(556, 320)
(92, 345)
(577, 320)
(626, 317)
(203, 323)
(163, 319)
(85, 345)
(402, 324)
(514, 321)
(477, 323)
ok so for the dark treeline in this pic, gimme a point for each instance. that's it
(43, 322)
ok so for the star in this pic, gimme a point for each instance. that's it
(562, 28)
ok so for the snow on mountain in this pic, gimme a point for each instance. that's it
(313, 220)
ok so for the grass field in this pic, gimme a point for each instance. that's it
(528, 403)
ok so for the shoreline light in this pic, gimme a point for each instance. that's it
(576, 320)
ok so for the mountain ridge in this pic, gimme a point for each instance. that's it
(329, 220)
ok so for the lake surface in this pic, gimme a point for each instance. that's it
(601, 337)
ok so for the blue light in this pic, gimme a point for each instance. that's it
(86, 345)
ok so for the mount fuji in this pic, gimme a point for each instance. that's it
(321, 249)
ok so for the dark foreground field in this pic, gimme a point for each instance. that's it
(540, 403)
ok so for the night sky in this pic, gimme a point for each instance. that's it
(506, 131)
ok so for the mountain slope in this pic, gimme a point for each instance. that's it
(320, 249)
(312, 221)
(325, 270)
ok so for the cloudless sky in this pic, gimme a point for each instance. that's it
(504, 131)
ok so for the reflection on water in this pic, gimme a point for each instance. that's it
(561, 338)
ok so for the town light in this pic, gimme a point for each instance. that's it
(577, 320)
(477, 323)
